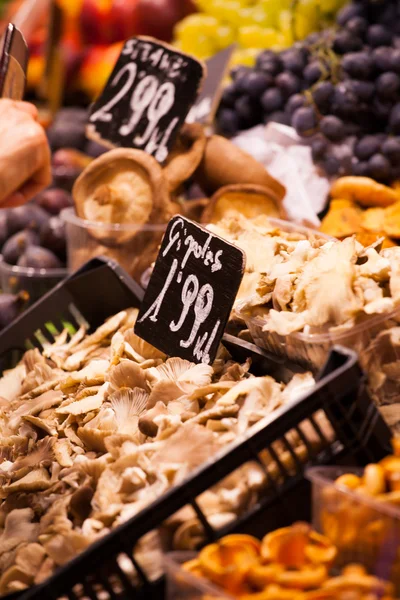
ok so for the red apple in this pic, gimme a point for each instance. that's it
(187, 7)
(157, 18)
(95, 21)
(124, 18)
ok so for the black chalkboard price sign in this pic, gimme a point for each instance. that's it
(191, 292)
(147, 97)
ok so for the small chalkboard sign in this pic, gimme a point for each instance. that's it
(206, 105)
(147, 97)
(13, 64)
(191, 292)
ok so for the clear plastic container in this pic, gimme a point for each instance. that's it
(182, 585)
(364, 530)
(134, 247)
(36, 282)
(311, 350)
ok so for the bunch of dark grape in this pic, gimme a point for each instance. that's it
(337, 87)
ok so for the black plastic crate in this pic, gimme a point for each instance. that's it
(100, 289)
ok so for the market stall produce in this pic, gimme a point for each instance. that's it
(338, 89)
(294, 563)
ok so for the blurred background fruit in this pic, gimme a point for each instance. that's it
(253, 24)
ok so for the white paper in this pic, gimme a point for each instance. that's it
(281, 151)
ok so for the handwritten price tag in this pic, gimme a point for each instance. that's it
(191, 292)
(147, 97)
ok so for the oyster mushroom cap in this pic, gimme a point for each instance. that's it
(123, 186)
(185, 156)
(224, 163)
(246, 199)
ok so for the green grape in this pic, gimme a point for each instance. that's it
(285, 24)
(253, 36)
(200, 45)
(226, 36)
(196, 24)
(264, 17)
(307, 16)
(245, 57)
(331, 6)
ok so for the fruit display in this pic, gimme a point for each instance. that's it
(339, 89)
(362, 207)
(252, 24)
(100, 424)
(34, 235)
(292, 563)
(93, 32)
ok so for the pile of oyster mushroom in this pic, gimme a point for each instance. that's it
(98, 425)
(287, 289)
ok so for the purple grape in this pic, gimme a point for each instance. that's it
(272, 100)
(381, 109)
(357, 64)
(394, 120)
(304, 120)
(391, 149)
(278, 116)
(228, 121)
(364, 90)
(254, 84)
(323, 93)
(357, 26)
(293, 60)
(349, 12)
(295, 102)
(28, 216)
(332, 127)
(229, 95)
(395, 60)
(244, 109)
(360, 168)
(271, 64)
(332, 165)
(379, 167)
(388, 85)
(382, 58)
(345, 101)
(319, 147)
(239, 71)
(378, 35)
(345, 42)
(313, 72)
(288, 83)
(367, 147)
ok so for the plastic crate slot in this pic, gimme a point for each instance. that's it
(78, 316)
(28, 345)
(208, 529)
(42, 339)
(275, 456)
(119, 572)
(310, 450)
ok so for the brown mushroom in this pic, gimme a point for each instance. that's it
(225, 164)
(185, 156)
(126, 187)
(246, 199)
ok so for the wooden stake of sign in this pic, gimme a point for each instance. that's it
(13, 64)
(206, 105)
(147, 98)
(191, 292)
